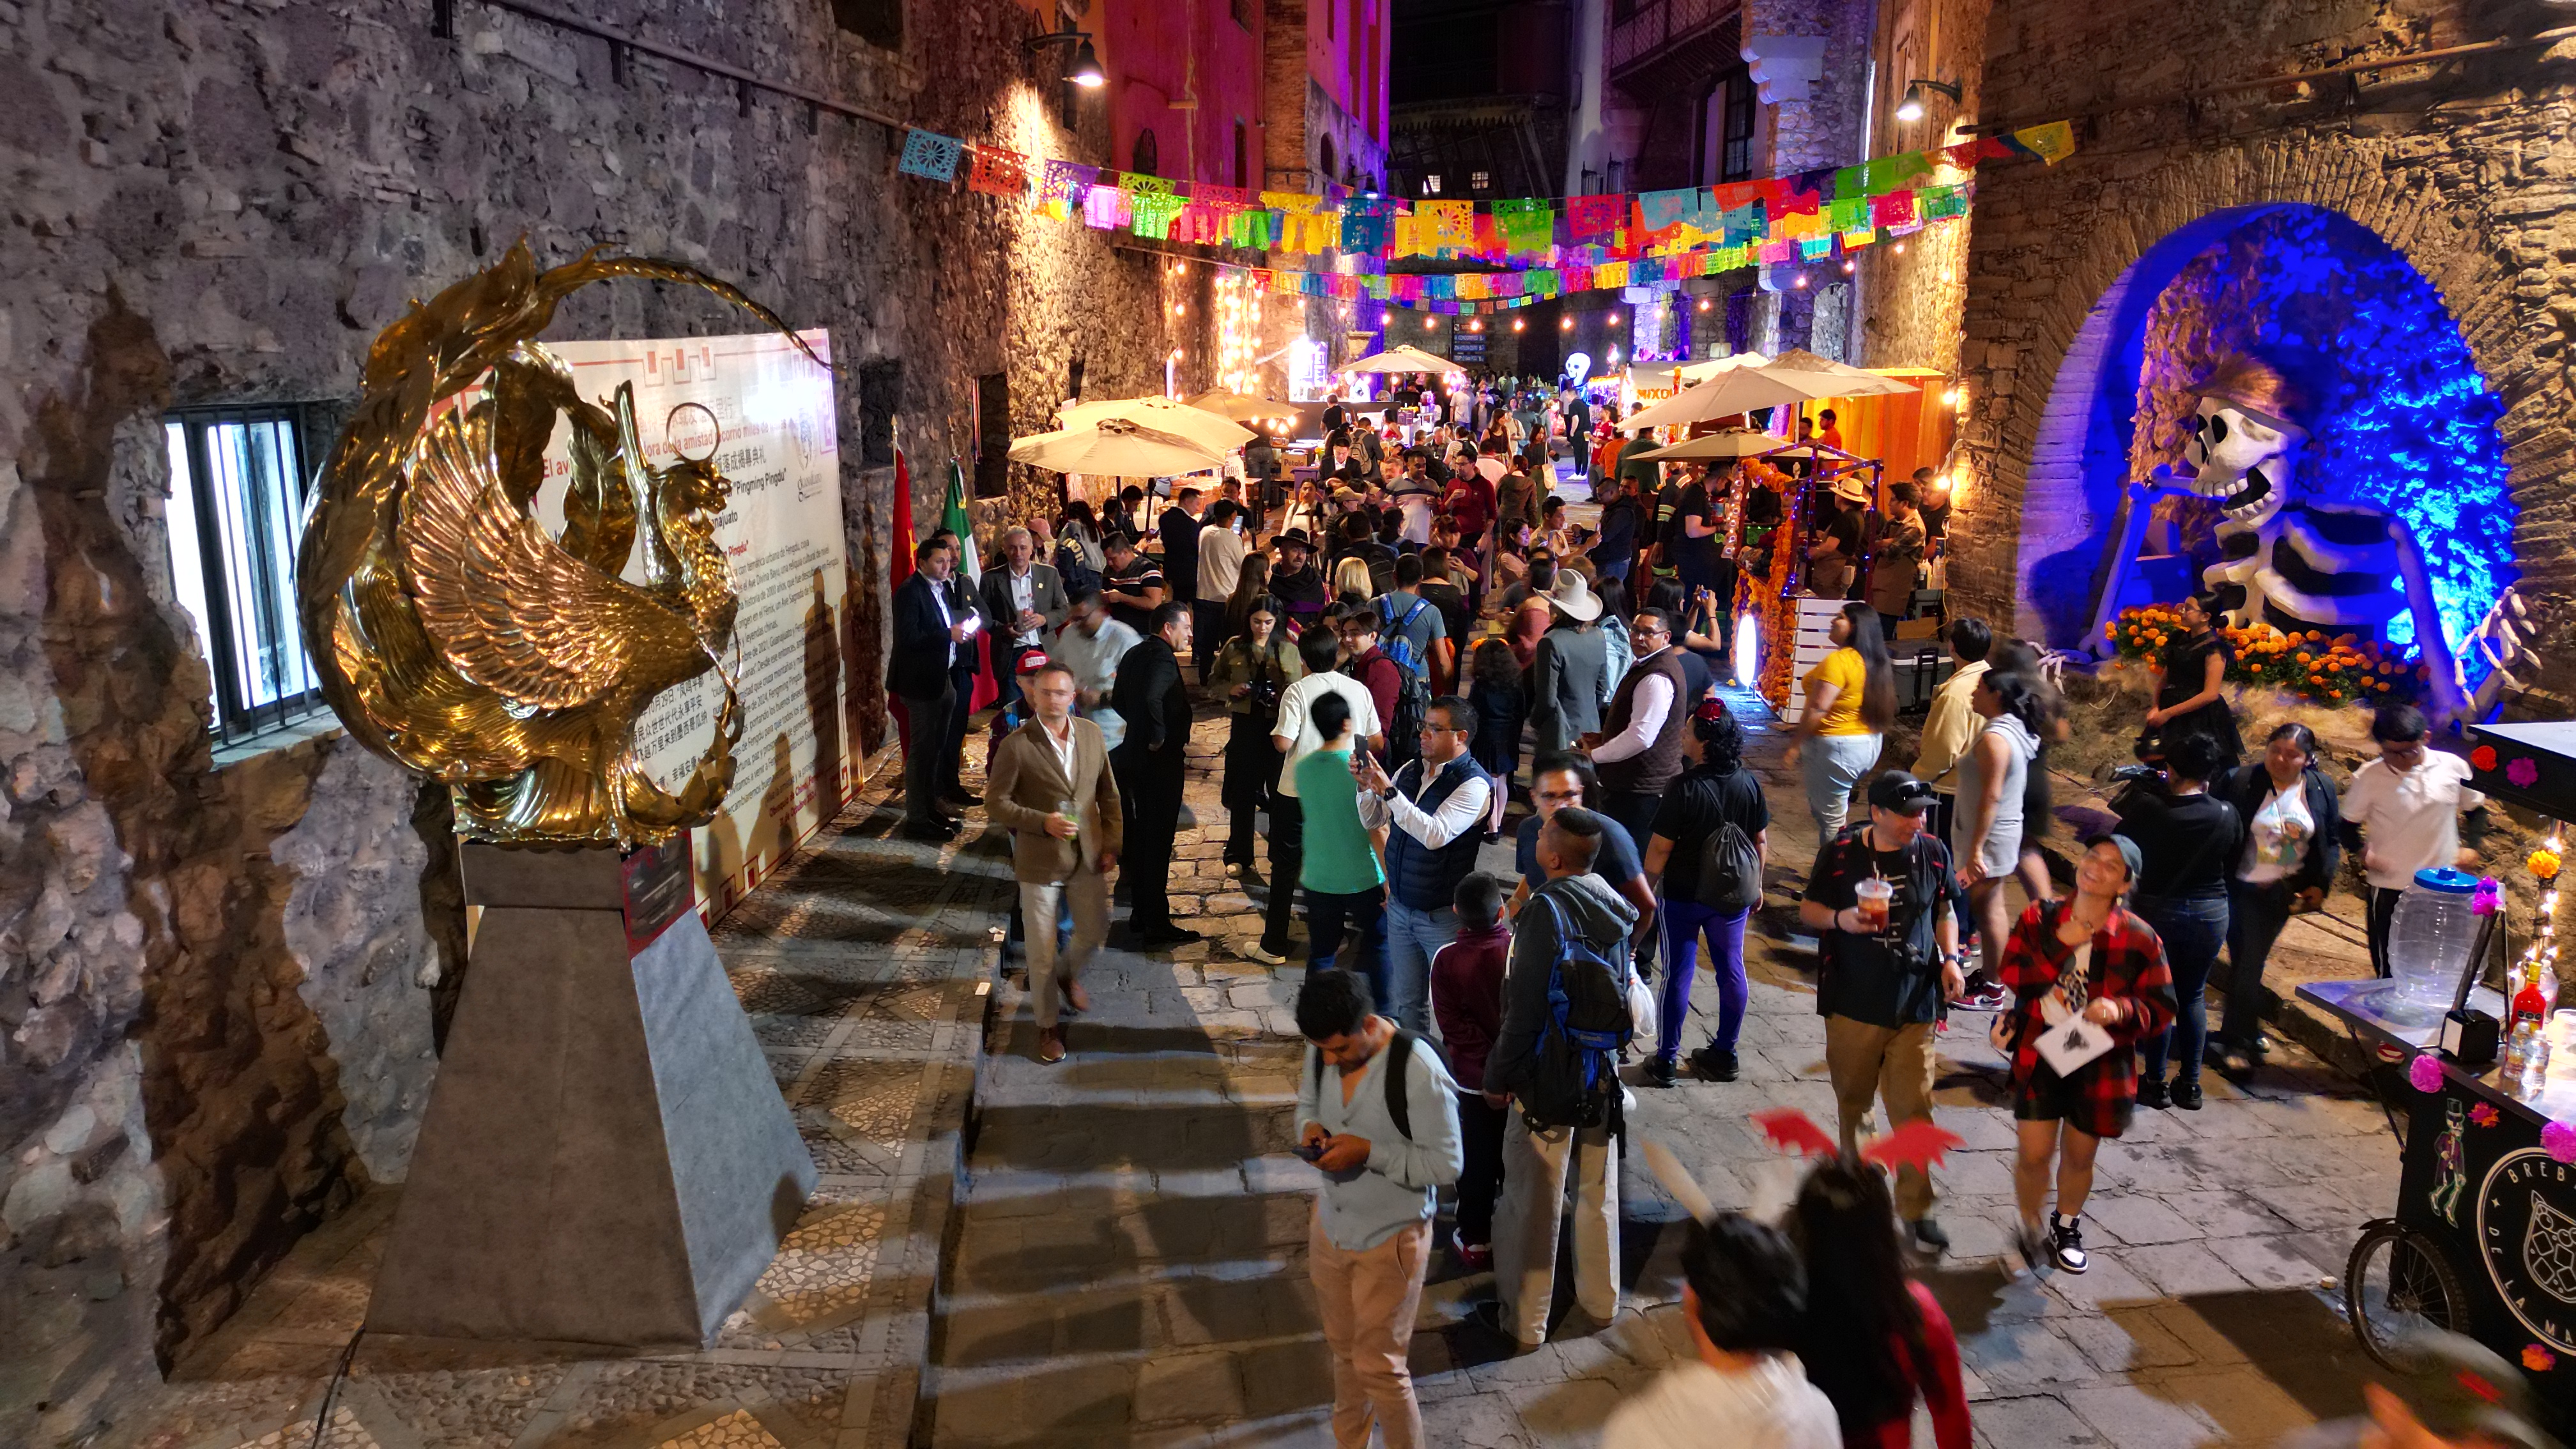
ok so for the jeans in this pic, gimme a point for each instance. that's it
(926, 724)
(1480, 1135)
(1330, 915)
(2192, 931)
(1634, 810)
(2380, 916)
(1287, 858)
(1412, 939)
(1833, 765)
(1251, 776)
(2255, 916)
(1088, 895)
(1684, 924)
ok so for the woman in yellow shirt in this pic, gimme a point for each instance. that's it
(1851, 700)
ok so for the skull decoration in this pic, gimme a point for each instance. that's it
(2241, 458)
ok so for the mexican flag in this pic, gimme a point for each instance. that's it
(952, 516)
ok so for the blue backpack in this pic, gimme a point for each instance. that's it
(1574, 1078)
(1391, 635)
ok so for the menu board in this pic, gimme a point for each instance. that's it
(765, 414)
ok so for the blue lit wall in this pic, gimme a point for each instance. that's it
(2401, 418)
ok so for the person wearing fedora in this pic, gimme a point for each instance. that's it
(1834, 558)
(1888, 959)
(1294, 580)
(1896, 558)
(1570, 668)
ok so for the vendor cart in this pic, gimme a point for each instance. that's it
(2483, 1238)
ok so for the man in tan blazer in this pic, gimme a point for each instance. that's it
(1051, 787)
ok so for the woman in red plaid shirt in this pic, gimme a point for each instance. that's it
(2122, 985)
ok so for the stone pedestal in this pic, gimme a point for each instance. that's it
(606, 1158)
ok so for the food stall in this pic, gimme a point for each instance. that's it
(2482, 1239)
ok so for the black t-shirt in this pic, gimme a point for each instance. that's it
(1936, 521)
(1141, 573)
(1693, 810)
(1844, 529)
(1893, 978)
(1694, 559)
(2187, 844)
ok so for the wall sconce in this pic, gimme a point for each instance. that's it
(1703, 304)
(1430, 322)
(1911, 108)
(1518, 324)
(1085, 70)
(1614, 319)
(1564, 324)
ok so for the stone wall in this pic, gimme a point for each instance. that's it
(1911, 298)
(212, 975)
(2461, 170)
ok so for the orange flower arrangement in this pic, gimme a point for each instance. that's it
(2339, 670)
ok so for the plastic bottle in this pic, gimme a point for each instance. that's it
(2429, 939)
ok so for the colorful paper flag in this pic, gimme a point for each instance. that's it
(1063, 188)
(929, 155)
(2051, 143)
(999, 172)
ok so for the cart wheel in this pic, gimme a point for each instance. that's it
(2399, 1283)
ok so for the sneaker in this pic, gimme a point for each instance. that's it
(2033, 1245)
(2151, 1093)
(1714, 1065)
(1255, 951)
(1929, 1237)
(2186, 1095)
(1983, 995)
(2066, 1242)
(1660, 1072)
(1474, 1257)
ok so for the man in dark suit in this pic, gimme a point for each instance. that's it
(1154, 700)
(1025, 601)
(932, 670)
(1178, 528)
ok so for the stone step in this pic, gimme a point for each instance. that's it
(1269, 1391)
(1120, 1307)
(1090, 1234)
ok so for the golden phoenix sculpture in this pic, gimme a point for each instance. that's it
(454, 634)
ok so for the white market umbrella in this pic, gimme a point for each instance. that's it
(1728, 443)
(1242, 408)
(1161, 415)
(1739, 391)
(1849, 381)
(1114, 447)
(1407, 358)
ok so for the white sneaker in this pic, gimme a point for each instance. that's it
(1253, 951)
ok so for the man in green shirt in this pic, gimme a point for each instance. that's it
(1344, 884)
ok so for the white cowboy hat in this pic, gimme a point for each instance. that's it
(1850, 490)
(1574, 598)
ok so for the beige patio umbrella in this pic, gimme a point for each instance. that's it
(1727, 443)
(1407, 358)
(1161, 415)
(1740, 390)
(1114, 447)
(1849, 381)
(1243, 408)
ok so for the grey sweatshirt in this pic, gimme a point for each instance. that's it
(1596, 913)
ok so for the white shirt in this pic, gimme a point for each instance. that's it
(1296, 704)
(1463, 811)
(2276, 839)
(1221, 552)
(1024, 599)
(1691, 1404)
(1647, 707)
(1094, 662)
(2410, 819)
(1063, 747)
(947, 620)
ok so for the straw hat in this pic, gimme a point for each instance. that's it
(1574, 598)
(1850, 489)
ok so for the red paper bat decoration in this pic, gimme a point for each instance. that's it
(1789, 1128)
(1916, 1144)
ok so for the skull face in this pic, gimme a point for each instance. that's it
(2242, 460)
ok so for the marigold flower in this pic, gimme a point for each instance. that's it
(2543, 864)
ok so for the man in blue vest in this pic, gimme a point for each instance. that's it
(1433, 812)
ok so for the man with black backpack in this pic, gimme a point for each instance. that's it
(1377, 1114)
(1567, 1012)
(1399, 691)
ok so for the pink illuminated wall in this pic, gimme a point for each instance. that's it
(1163, 54)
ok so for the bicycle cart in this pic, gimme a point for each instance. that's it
(2483, 1239)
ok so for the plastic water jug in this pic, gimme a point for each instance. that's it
(2430, 937)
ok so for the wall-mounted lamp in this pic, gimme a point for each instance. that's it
(1911, 108)
(1085, 70)
(1517, 324)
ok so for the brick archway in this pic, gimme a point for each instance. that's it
(2060, 260)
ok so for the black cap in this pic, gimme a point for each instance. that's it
(1900, 792)
(2130, 855)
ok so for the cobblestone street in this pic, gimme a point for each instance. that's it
(1122, 1260)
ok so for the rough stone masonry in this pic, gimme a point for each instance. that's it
(216, 1021)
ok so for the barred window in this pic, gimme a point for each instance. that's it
(239, 482)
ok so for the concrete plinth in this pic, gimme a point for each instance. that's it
(606, 1158)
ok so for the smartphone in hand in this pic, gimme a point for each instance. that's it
(1315, 1149)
